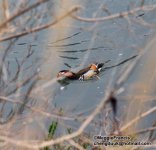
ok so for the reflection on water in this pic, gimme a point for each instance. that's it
(64, 82)
(84, 50)
(67, 57)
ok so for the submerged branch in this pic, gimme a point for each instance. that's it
(124, 61)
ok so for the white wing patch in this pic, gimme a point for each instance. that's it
(88, 75)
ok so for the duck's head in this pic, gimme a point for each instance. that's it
(96, 66)
(65, 74)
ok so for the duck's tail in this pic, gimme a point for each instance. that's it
(99, 66)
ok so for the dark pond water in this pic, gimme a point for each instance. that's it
(77, 45)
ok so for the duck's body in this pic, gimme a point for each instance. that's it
(84, 74)
(92, 71)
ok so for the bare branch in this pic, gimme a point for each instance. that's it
(118, 15)
(137, 118)
(41, 27)
(144, 130)
(21, 12)
(76, 145)
(21, 84)
(63, 138)
(36, 110)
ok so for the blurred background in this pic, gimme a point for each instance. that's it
(41, 37)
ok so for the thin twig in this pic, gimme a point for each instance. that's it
(35, 109)
(117, 15)
(41, 27)
(76, 145)
(21, 12)
(137, 118)
(63, 138)
(144, 130)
